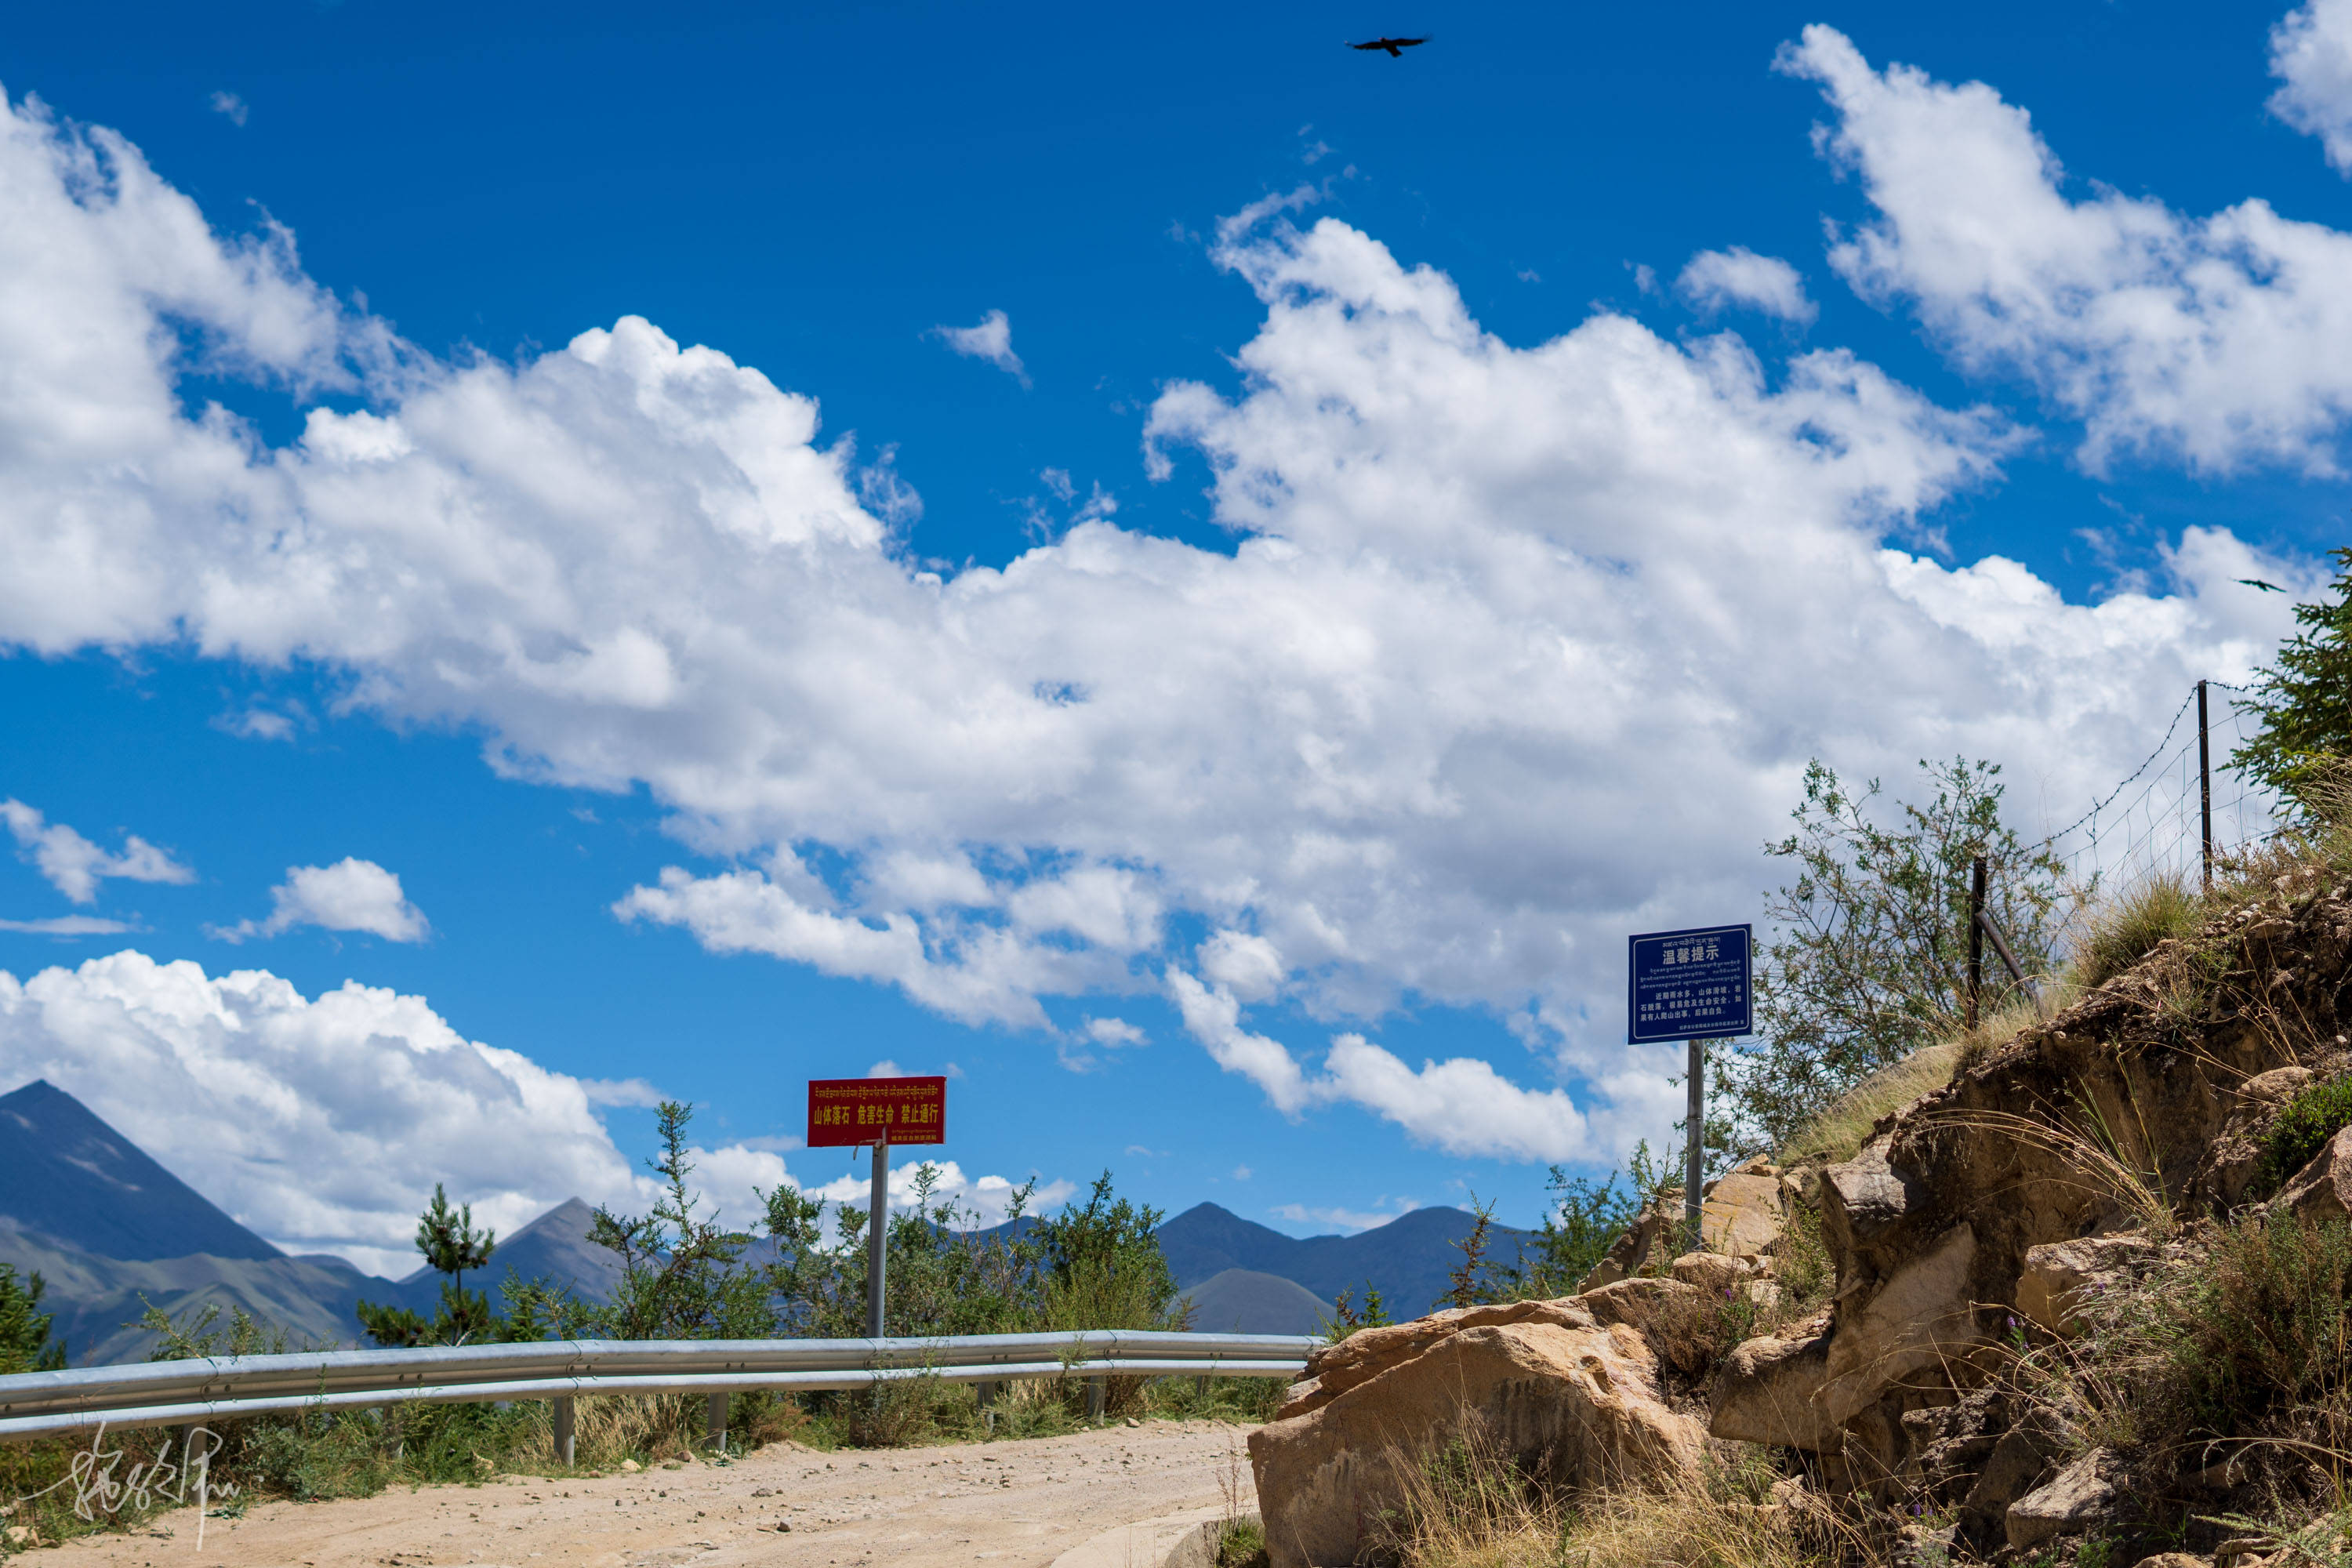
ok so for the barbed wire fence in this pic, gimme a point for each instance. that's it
(2184, 808)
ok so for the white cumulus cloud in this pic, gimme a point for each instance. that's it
(2311, 54)
(1518, 647)
(74, 866)
(1718, 280)
(323, 1122)
(350, 895)
(2225, 339)
(1113, 1033)
(989, 340)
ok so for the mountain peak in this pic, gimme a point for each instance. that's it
(67, 1174)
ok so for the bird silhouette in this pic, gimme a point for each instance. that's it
(2265, 587)
(1395, 47)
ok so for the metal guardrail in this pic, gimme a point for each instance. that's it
(186, 1393)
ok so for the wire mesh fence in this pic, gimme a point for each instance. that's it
(2154, 822)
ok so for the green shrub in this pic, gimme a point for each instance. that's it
(2268, 1327)
(2248, 1344)
(1242, 1544)
(25, 1344)
(2303, 1129)
(2127, 928)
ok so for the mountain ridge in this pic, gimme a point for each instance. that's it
(111, 1231)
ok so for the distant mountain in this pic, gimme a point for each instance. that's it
(1206, 1240)
(1243, 1301)
(106, 1226)
(67, 1174)
(554, 1248)
(95, 1301)
(111, 1232)
(1407, 1259)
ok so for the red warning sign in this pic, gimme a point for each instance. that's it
(845, 1112)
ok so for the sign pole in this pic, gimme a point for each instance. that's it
(877, 1245)
(1695, 1154)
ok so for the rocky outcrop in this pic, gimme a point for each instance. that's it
(2061, 1276)
(2077, 1500)
(1987, 1217)
(1801, 1390)
(1574, 1402)
(2321, 1190)
(1741, 1213)
(1335, 1369)
(2009, 1193)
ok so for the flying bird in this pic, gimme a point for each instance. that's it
(1395, 47)
(2265, 587)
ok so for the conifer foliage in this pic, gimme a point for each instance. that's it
(24, 1343)
(451, 1245)
(2305, 702)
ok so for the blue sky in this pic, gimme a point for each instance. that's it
(1387, 791)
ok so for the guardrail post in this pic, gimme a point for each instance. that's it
(1095, 1396)
(565, 1426)
(715, 1422)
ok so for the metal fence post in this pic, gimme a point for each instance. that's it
(716, 1421)
(566, 1427)
(1095, 1396)
(2205, 781)
(1976, 941)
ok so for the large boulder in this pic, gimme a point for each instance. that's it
(1799, 1392)
(1740, 1215)
(1769, 1391)
(1574, 1405)
(2061, 1276)
(2078, 1499)
(2321, 1190)
(1333, 1369)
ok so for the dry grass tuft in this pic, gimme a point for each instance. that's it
(1468, 1506)
(2123, 930)
(1839, 1133)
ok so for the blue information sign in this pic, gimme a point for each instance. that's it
(1689, 985)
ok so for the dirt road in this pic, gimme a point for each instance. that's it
(1009, 1504)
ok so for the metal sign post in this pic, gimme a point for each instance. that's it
(1693, 986)
(878, 1243)
(875, 1113)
